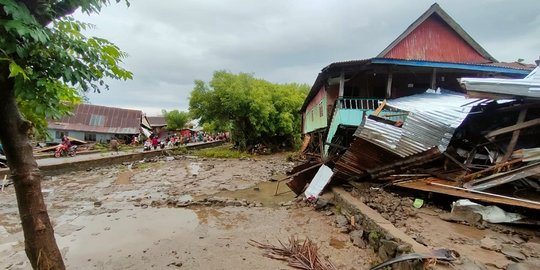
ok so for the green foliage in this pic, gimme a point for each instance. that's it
(255, 110)
(52, 64)
(224, 151)
(176, 119)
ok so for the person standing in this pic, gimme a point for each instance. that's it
(155, 142)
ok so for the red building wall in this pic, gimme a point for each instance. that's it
(434, 40)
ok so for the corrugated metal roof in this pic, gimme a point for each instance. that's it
(157, 121)
(527, 87)
(100, 119)
(431, 121)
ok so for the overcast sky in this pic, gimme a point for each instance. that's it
(171, 43)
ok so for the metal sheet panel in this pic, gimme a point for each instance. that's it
(431, 122)
(527, 87)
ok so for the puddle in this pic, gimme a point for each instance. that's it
(263, 192)
(204, 213)
(124, 178)
(335, 243)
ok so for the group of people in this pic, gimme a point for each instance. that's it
(153, 142)
(202, 136)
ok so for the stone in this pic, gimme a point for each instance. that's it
(387, 249)
(289, 203)
(522, 266)
(472, 265)
(357, 238)
(320, 203)
(341, 221)
(490, 244)
(422, 240)
(513, 253)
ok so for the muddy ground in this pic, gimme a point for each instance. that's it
(482, 245)
(183, 213)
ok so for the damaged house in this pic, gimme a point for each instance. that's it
(94, 123)
(409, 118)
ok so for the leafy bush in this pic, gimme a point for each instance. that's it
(221, 152)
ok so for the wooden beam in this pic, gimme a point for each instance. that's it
(389, 85)
(515, 136)
(341, 84)
(519, 126)
(380, 108)
(434, 79)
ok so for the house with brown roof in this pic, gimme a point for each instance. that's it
(95, 123)
(433, 52)
(158, 124)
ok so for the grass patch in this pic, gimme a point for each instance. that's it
(223, 151)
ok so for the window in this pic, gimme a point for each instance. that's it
(321, 114)
(90, 137)
(313, 115)
(97, 120)
(60, 134)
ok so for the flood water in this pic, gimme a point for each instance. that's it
(263, 192)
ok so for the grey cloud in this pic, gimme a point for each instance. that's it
(171, 43)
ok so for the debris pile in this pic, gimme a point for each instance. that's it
(485, 148)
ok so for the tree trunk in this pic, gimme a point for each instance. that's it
(40, 244)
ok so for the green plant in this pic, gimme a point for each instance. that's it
(221, 152)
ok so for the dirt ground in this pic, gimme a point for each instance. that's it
(482, 245)
(166, 213)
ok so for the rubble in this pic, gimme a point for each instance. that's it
(444, 142)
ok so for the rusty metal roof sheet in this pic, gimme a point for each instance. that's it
(157, 121)
(100, 119)
(431, 122)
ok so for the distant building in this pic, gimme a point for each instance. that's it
(94, 123)
(158, 125)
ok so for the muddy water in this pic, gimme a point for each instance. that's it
(336, 243)
(100, 221)
(263, 192)
(124, 233)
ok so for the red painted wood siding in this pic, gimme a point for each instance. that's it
(434, 40)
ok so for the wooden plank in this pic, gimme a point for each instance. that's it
(45, 149)
(380, 108)
(424, 185)
(511, 128)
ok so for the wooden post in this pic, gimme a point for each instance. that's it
(434, 79)
(389, 84)
(341, 84)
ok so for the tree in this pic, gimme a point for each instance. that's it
(256, 110)
(176, 119)
(44, 57)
